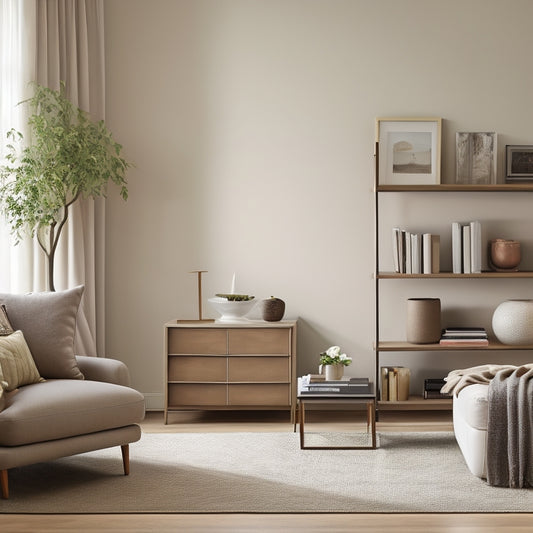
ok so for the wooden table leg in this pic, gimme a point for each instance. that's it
(301, 417)
(372, 414)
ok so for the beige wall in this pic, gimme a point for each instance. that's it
(251, 124)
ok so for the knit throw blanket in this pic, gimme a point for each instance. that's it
(510, 420)
(510, 429)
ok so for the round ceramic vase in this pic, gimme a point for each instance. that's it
(423, 320)
(512, 322)
(273, 309)
(505, 254)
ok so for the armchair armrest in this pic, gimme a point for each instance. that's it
(103, 369)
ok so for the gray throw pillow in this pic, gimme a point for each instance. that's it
(48, 321)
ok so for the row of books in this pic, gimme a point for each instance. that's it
(466, 247)
(317, 384)
(464, 336)
(415, 253)
(395, 383)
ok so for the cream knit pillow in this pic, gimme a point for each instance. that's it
(16, 361)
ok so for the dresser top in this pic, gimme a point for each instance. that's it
(227, 325)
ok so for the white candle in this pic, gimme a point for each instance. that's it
(233, 284)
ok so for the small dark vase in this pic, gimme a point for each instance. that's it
(273, 309)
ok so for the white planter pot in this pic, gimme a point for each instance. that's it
(512, 322)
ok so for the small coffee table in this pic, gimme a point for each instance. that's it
(368, 398)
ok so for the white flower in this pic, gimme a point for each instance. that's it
(344, 357)
(333, 351)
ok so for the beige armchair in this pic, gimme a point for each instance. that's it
(56, 404)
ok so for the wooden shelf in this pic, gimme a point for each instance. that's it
(417, 403)
(446, 275)
(500, 187)
(401, 346)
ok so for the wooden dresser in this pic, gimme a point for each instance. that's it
(218, 366)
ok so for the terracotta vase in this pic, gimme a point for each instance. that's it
(504, 254)
(423, 320)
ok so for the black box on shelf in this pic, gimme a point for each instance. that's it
(432, 387)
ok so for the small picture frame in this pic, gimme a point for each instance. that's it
(519, 163)
(475, 155)
(408, 151)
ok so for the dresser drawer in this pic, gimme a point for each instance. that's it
(184, 394)
(201, 368)
(197, 341)
(261, 394)
(259, 341)
(258, 369)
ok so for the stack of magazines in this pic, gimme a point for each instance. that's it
(314, 384)
(464, 336)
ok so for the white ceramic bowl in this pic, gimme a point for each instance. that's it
(232, 311)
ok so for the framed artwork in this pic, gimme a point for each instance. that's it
(519, 163)
(408, 151)
(476, 157)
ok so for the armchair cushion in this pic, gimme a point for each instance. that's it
(48, 321)
(58, 408)
(16, 363)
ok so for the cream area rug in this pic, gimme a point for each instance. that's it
(262, 473)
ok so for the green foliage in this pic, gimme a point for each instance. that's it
(236, 297)
(68, 157)
(333, 356)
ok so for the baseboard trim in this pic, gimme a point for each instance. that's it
(154, 401)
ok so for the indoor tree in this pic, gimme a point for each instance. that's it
(68, 157)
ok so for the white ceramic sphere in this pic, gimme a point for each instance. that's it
(512, 322)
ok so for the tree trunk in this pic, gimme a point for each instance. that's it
(50, 257)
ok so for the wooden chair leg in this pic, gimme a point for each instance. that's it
(5, 484)
(126, 458)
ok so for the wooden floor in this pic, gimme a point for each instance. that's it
(331, 523)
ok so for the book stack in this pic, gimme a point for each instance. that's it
(466, 247)
(432, 389)
(313, 384)
(395, 383)
(464, 336)
(415, 253)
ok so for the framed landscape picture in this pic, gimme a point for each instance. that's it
(409, 151)
(519, 163)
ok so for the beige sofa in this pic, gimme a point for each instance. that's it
(53, 403)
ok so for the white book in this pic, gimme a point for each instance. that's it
(467, 264)
(396, 248)
(426, 253)
(476, 252)
(416, 253)
(408, 264)
(457, 248)
(435, 254)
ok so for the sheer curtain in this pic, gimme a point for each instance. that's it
(49, 41)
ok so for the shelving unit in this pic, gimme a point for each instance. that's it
(417, 402)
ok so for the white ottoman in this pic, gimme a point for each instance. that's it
(470, 413)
